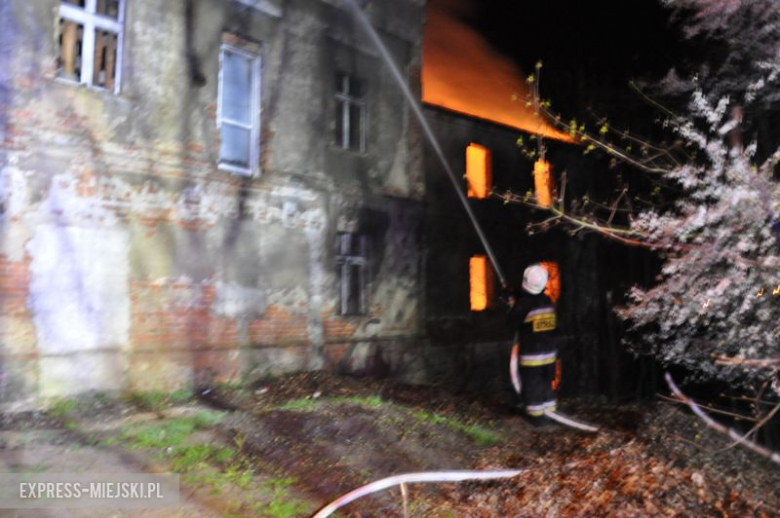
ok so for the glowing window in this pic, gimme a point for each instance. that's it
(543, 183)
(481, 280)
(553, 288)
(478, 171)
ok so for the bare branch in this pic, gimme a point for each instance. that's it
(758, 425)
(740, 439)
(713, 410)
(767, 363)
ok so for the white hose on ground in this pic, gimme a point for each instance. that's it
(425, 476)
(571, 422)
(513, 369)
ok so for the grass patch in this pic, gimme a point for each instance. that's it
(154, 401)
(187, 457)
(370, 401)
(481, 435)
(281, 505)
(62, 408)
(297, 404)
(170, 433)
(204, 464)
(308, 403)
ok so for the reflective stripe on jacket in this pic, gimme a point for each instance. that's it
(537, 360)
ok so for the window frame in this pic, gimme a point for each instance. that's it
(92, 21)
(345, 260)
(345, 100)
(256, 59)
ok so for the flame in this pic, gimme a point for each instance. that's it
(478, 171)
(553, 288)
(462, 73)
(543, 183)
(481, 277)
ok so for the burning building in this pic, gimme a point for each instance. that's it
(211, 190)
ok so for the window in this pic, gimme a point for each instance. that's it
(481, 281)
(90, 42)
(553, 288)
(238, 110)
(543, 183)
(350, 113)
(479, 177)
(352, 273)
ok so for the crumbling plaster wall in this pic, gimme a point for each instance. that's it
(128, 261)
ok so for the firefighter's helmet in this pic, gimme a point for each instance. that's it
(535, 279)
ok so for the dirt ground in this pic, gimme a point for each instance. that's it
(290, 445)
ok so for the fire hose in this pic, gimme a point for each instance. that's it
(426, 476)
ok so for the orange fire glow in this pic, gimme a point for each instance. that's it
(553, 288)
(478, 171)
(481, 277)
(543, 183)
(462, 73)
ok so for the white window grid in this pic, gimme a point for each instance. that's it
(345, 99)
(91, 21)
(345, 261)
(256, 92)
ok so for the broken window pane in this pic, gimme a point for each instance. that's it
(70, 41)
(235, 147)
(104, 71)
(89, 42)
(108, 8)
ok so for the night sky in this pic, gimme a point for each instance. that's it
(590, 50)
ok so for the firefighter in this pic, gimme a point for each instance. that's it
(532, 316)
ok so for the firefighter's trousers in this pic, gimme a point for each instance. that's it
(537, 372)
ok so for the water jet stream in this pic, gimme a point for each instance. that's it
(417, 108)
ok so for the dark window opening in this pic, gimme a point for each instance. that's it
(350, 113)
(352, 264)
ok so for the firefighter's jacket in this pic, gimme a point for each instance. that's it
(534, 321)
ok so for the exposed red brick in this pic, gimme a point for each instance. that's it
(277, 326)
